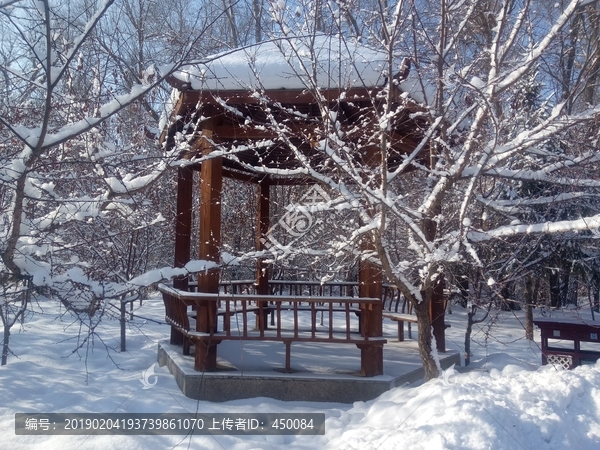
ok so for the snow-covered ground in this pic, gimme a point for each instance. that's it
(504, 401)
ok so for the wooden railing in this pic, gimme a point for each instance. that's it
(293, 287)
(394, 305)
(349, 320)
(391, 295)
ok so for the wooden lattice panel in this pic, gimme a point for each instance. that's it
(565, 361)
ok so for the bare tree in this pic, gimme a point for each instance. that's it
(77, 155)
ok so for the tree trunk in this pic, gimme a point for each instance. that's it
(229, 13)
(531, 297)
(529, 322)
(5, 345)
(554, 281)
(470, 322)
(123, 323)
(425, 342)
(591, 85)
(564, 287)
(572, 291)
(423, 310)
(529, 308)
(257, 11)
(474, 304)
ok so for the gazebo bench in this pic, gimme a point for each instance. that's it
(393, 302)
(400, 319)
(185, 322)
(409, 318)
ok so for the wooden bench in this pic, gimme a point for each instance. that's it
(569, 354)
(184, 321)
(399, 310)
(369, 340)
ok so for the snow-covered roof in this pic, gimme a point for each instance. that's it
(287, 72)
(288, 64)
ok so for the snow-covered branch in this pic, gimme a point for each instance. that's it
(591, 223)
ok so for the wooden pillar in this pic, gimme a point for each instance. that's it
(371, 359)
(183, 232)
(370, 279)
(262, 269)
(183, 224)
(211, 182)
(370, 275)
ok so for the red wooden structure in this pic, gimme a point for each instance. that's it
(565, 341)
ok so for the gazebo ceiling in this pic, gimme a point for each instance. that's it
(263, 126)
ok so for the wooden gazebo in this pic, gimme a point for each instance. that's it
(257, 129)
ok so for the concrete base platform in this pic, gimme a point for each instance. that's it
(321, 373)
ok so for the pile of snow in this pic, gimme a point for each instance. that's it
(512, 408)
(504, 401)
(289, 63)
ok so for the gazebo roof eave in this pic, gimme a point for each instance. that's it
(258, 94)
(189, 99)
